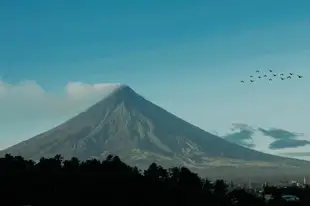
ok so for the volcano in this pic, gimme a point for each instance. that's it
(126, 124)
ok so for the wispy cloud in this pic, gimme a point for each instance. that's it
(284, 139)
(288, 143)
(243, 135)
(27, 109)
(280, 133)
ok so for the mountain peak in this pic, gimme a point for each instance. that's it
(122, 93)
(123, 88)
(126, 124)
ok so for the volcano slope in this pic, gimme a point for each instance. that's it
(126, 124)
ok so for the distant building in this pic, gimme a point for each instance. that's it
(265, 184)
(294, 183)
(250, 184)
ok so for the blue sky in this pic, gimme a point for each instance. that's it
(186, 56)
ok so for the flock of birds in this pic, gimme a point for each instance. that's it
(271, 76)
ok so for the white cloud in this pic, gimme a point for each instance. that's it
(27, 109)
(29, 94)
(78, 90)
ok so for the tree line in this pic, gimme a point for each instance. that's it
(54, 181)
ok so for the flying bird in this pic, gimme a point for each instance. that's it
(289, 77)
(270, 70)
(242, 81)
(257, 71)
(282, 78)
(252, 80)
(299, 76)
(291, 73)
(265, 75)
(281, 74)
(274, 75)
(251, 76)
(270, 79)
(259, 76)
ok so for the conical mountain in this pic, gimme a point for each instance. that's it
(126, 124)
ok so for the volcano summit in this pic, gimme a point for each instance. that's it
(126, 124)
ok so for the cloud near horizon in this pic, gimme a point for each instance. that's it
(242, 134)
(284, 139)
(280, 133)
(26, 105)
(288, 143)
(243, 138)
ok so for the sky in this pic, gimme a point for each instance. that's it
(59, 57)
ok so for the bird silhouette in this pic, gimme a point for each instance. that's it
(289, 77)
(242, 81)
(274, 75)
(299, 76)
(265, 75)
(281, 74)
(270, 70)
(259, 76)
(252, 80)
(257, 71)
(270, 79)
(291, 73)
(251, 76)
(282, 78)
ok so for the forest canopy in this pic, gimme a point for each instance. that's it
(54, 181)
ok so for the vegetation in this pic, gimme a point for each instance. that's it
(53, 181)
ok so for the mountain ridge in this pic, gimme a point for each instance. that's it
(126, 124)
